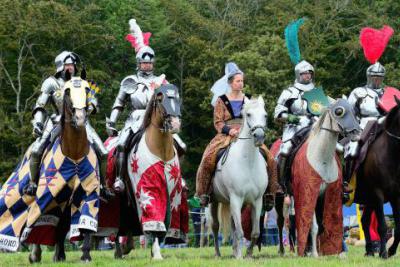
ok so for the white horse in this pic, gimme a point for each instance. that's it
(241, 178)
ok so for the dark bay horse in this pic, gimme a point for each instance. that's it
(378, 182)
(154, 169)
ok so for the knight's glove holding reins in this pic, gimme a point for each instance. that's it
(30, 189)
(90, 109)
(293, 119)
(110, 128)
(37, 129)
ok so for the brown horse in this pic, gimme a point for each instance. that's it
(378, 182)
(75, 146)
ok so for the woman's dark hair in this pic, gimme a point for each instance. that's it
(230, 79)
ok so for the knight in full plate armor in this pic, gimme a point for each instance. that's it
(137, 90)
(45, 125)
(292, 110)
(365, 101)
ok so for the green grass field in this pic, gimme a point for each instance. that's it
(202, 257)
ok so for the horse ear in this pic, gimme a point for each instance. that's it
(261, 100)
(246, 100)
(344, 97)
(397, 100)
(67, 92)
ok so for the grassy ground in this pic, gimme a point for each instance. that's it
(202, 257)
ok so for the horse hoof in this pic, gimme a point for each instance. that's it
(58, 259)
(391, 252)
(33, 259)
(86, 259)
(369, 254)
(117, 255)
(383, 255)
(343, 255)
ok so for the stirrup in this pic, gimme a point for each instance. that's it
(119, 185)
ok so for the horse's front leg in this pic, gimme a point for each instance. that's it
(236, 207)
(279, 200)
(215, 227)
(155, 248)
(255, 231)
(366, 222)
(118, 249)
(382, 230)
(396, 214)
(86, 246)
(36, 254)
(314, 234)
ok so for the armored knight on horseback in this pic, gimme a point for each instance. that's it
(45, 124)
(366, 101)
(228, 101)
(294, 108)
(137, 90)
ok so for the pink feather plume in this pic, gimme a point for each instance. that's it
(146, 39)
(374, 42)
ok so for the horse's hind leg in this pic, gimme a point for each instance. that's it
(396, 214)
(366, 222)
(36, 254)
(236, 206)
(382, 230)
(255, 231)
(215, 227)
(279, 200)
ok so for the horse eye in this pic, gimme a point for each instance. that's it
(248, 114)
(339, 112)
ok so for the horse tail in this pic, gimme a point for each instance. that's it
(225, 221)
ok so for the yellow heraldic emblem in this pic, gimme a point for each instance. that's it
(316, 101)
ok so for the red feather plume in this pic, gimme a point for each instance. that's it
(130, 38)
(374, 42)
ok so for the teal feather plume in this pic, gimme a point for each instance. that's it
(292, 41)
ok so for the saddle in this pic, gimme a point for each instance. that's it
(372, 130)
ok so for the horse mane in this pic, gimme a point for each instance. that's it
(318, 125)
(148, 113)
(66, 103)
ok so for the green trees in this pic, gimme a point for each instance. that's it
(192, 40)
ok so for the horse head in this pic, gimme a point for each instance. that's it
(255, 120)
(75, 105)
(342, 113)
(164, 110)
(392, 121)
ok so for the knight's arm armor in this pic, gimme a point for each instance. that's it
(128, 86)
(39, 113)
(282, 108)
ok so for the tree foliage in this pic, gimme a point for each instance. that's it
(193, 40)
